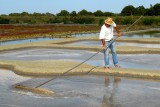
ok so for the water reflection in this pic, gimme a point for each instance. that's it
(109, 99)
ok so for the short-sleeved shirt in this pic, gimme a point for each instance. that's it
(107, 32)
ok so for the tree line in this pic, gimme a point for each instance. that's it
(81, 17)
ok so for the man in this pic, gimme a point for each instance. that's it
(106, 36)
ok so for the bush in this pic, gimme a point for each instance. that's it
(148, 21)
(4, 21)
(119, 20)
(101, 22)
(127, 20)
(157, 21)
(83, 20)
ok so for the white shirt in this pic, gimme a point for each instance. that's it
(107, 32)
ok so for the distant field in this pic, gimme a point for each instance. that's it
(20, 31)
(9, 32)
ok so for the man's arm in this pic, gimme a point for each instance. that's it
(117, 30)
(103, 43)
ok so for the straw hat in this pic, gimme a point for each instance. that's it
(108, 21)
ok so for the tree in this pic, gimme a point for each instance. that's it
(83, 20)
(128, 10)
(108, 14)
(63, 13)
(49, 14)
(24, 14)
(150, 12)
(37, 14)
(90, 13)
(73, 13)
(156, 8)
(141, 10)
(14, 14)
(4, 21)
(83, 12)
(98, 13)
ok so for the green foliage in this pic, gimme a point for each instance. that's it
(84, 13)
(98, 13)
(108, 14)
(73, 13)
(4, 21)
(119, 20)
(37, 14)
(148, 21)
(131, 10)
(128, 10)
(127, 20)
(101, 22)
(24, 14)
(157, 21)
(150, 12)
(54, 20)
(156, 8)
(140, 10)
(63, 13)
(83, 20)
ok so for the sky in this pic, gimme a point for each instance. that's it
(55, 6)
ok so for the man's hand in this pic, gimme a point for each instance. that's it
(104, 46)
(119, 34)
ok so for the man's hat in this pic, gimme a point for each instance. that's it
(108, 21)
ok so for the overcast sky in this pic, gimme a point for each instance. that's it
(55, 6)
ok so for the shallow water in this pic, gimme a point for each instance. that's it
(82, 91)
(141, 61)
(98, 43)
(138, 35)
(154, 34)
(12, 42)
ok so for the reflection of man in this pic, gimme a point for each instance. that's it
(106, 36)
(109, 97)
